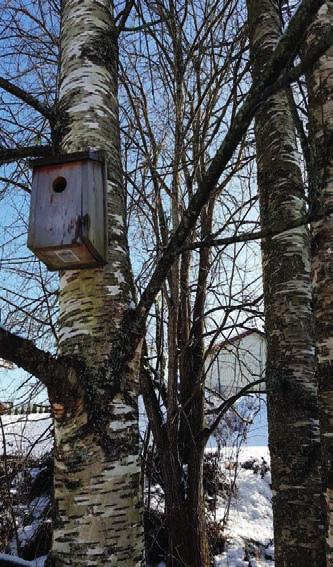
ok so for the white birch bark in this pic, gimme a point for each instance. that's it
(320, 83)
(97, 489)
(290, 376)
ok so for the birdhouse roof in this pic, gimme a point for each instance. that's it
(64, 158)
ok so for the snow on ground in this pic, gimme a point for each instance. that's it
(250, 518)
(250, 523)
(27, 434)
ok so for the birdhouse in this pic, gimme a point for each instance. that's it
(67, 226)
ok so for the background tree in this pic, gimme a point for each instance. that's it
(185, 408)
(205, 295)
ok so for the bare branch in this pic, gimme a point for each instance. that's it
(26, 97)
(248, 236)
(22, 352)
(291, 75)
(17, 184)
(145, 26)
(270, 82)
(124, 15)
(152, 406)
(8, 155)
(224, 407)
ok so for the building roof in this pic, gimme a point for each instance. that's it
(236, 338)
(5, 364)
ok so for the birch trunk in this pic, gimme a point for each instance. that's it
(97, 484)
(320, 84)
(291, 385)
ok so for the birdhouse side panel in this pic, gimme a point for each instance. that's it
(33, 224)
(94, 209)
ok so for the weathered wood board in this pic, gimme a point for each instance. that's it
(67, 226)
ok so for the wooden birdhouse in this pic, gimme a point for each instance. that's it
(67, 226)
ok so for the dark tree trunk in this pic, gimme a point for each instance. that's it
(185, 515)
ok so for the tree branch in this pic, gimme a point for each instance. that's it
(52, 372)
(224, 407)
(152, 406)
(290, 75)
(270, 82)
(248, 236)
(145, 26)
(124, 15)
(26, 97)
(8, 155)
(17, 184)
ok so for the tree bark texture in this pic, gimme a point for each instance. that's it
(185, 513)
(294, 439)
(320, 85)
(97, 485)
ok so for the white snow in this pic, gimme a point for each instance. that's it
(27, 434)
(250, 519)
(250, 516)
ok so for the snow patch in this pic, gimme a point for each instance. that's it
(27, 434)
(251, 519)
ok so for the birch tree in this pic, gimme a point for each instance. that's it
(320, 85)
(294, 440)
(101, 507)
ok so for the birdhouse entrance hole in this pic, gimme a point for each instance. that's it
(67, 226)
(59, 184)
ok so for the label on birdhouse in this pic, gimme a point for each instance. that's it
(67, 256)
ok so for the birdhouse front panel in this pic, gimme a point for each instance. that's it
(67, 227)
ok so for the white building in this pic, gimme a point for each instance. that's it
(237, 362)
